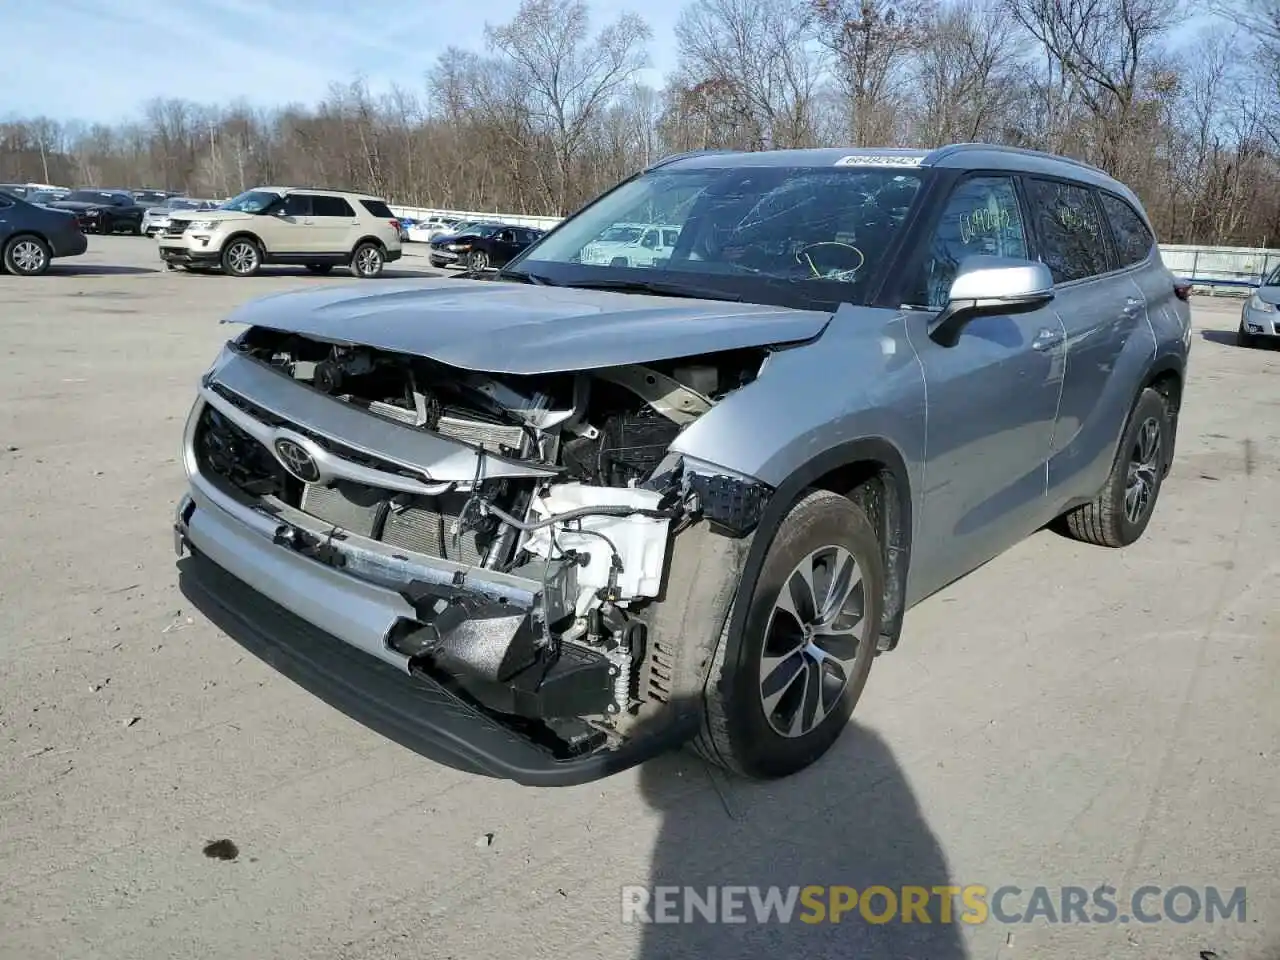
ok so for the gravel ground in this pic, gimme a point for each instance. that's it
(1066, 716)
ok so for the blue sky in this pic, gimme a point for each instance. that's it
(101, 60)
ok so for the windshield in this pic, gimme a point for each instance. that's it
(1274, 279)
(820, 230)
(251, 201)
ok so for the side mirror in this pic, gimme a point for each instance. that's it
(990, 286)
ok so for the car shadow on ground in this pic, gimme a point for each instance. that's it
(1227, 338)
(851, 821)
(95, 270)
(336, 274)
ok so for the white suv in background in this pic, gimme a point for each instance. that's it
(632, 245)
(318, 229)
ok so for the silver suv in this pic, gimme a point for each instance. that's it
(546, 526)
(318, 229)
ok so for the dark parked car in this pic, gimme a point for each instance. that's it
(481, 246)
(31, 235)
(103, 211)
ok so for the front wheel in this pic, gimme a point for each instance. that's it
(1119, 514)
(478, 261)
(106, 227)
(779, 698)
(136, 230)
(367, 261)
(27, 256)
(241, 258)
(1244, 338)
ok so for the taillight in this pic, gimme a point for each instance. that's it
(396, 224)
(1182, 290)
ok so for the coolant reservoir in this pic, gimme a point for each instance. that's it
(641, 541)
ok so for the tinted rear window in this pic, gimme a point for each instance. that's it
(1133, 240)
(377, 208)
(331, 207)
(1071, 241)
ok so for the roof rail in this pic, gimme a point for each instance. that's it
(955, 148)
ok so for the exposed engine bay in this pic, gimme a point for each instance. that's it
(585, 505)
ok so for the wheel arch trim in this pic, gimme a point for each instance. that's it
(865, 450)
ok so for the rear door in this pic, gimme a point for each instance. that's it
(335, 224)
(1101, 308)
(991, 398)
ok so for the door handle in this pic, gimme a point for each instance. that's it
(1046, 339)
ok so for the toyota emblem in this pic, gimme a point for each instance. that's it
(295, 458)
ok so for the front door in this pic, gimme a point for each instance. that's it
(289, 231)
(991, 399)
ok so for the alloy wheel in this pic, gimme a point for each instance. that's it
(368, 260)
(479, 260)
(1144, 469)
(28, 256)
(242, 257)
(813, 639)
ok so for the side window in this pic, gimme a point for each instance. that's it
(1133, 240)
(297, 205)
(379, 209)
(1072, 246)
(331, 207)
(982, 218)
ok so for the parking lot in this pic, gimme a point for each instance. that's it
(1066, 716)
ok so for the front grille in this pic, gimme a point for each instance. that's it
(176, 228)
(421, 524)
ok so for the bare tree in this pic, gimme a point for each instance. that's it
(872, 41)
(569, 76)
(1105, 49)
(748, 73)
(965, 73)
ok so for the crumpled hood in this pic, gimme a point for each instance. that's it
(518, 328)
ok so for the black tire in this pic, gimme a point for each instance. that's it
(320, 269)
(241, 257)
(1244, 338)
(737, 732)
(107, 226)
(26, 255)
(478, 261)
(136, 230)
(367, 260)
(1107, 521)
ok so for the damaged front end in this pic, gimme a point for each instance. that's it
(525, 547)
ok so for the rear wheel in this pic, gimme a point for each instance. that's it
(27, 256)
(1119, 514)
(367, 260)
(241, 257)
(779, 698)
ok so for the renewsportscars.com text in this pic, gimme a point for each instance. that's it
(972, 904)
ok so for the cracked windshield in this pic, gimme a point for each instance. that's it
(782, 223)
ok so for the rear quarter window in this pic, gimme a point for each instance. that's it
(1133, 240)
(378, 209)
(1072, 244)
